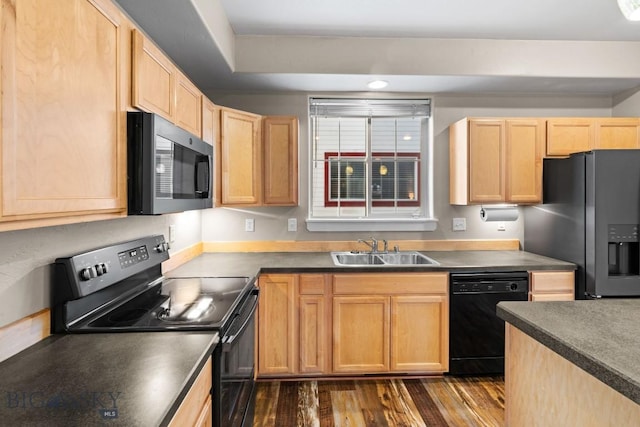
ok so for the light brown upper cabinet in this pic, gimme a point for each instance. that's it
(210, 122)
(257, 160)
(496, 160)
(64, 98)
(571, 135)
(159, 87)
(280, 160)
(153, 78)
(239, 159)
(188, 105)
(617, 132)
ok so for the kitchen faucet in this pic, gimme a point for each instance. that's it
(374, 245)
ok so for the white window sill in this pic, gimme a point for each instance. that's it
(371, 224)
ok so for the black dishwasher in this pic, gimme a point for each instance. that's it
(476, 333)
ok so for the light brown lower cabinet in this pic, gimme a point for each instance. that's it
(361, 334)
(314, 333)
(195, 409)
(390, 323)
(552, 285)
(277, 343)
(420, 333)
(324, 325)
(293, 328)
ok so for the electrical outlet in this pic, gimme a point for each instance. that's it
(249, 224)
(459, 224)
(502, 227)
(172, 233)
(292, 224)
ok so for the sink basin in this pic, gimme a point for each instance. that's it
(348, 258)
(360, 259)
(406, 258)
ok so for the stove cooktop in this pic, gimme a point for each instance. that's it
(121, 288)
(178, 303)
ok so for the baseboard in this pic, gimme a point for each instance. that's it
(181, 257)
(23, 333)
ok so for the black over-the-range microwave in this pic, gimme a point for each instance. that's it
(169, 169)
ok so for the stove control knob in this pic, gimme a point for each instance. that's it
(162, 247)
(88, 273)
(101, 268)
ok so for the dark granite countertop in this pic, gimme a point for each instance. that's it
(252, 263)
(79, 380)
(599, 336)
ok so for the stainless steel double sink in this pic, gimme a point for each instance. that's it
(364, 259)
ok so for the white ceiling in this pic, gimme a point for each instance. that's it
(471, 19)
(302, 45)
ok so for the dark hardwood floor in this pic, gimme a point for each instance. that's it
(444, 401)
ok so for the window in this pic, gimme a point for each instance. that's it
(371, 166)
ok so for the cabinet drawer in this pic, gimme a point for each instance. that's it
(552, 297)
(380, 283)
(552, 281)
(312, 284)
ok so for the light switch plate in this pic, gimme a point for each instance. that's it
(292, 224)
(249, 224)
(459, 224)
(172, 233)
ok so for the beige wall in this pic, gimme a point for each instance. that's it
(271, 223)
(26, 256)
(627, 104)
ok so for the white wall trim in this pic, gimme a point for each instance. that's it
(371, 224)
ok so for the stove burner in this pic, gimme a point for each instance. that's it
(128, 317)
(191, 312)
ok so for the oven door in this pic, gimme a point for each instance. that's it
(236, 351)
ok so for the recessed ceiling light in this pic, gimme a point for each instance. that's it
(630, 9)
(378, 84)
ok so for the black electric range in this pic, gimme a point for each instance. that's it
(120, 288)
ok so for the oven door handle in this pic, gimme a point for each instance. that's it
(228, 340)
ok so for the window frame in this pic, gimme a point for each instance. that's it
(421, 220)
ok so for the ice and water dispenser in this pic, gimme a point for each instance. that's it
(624, 254)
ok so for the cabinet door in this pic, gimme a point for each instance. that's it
(63, 131)
(188, 105)
(419, 333)
(524, 151)
(196, 402)
(240, 168)
(280, 161)
(617, 133)
(312, 334)
(569, 135)
(154, 78)
(486, 161)
(277, 324)
(210, 122)
(360, 334)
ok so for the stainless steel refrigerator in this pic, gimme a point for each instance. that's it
(590, 216)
